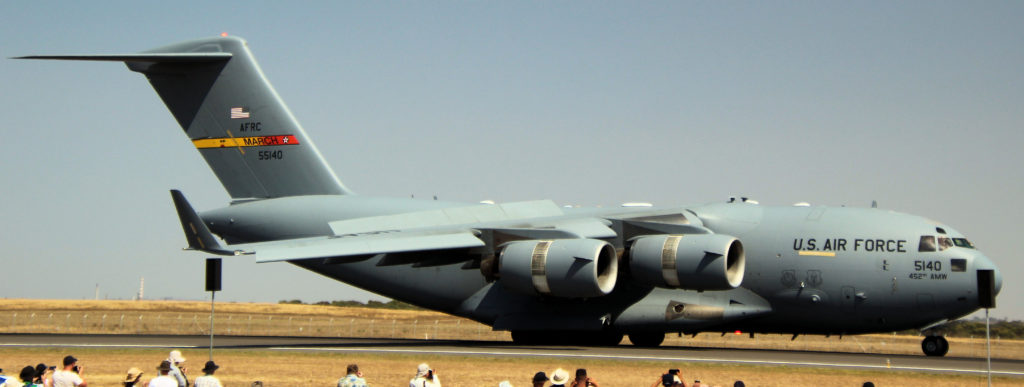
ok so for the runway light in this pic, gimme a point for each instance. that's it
(738, 332)
(224, 34)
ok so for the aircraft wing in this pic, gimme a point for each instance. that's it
(422, 231)
(359, 245)
(367, 243)
(409, 240)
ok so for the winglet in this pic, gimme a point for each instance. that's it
(199, 237)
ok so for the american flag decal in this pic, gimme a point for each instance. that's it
(238, 112)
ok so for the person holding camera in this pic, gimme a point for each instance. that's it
(425, 377)
(670, 379)
(177, 368)
(44, 375)
(582, 380)
(353, 377)
(71, 375)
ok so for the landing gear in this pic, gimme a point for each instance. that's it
(646, 339)
(935, 346)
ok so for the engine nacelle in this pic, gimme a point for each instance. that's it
(694, 261)
(560, 268)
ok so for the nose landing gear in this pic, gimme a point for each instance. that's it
(935, 346)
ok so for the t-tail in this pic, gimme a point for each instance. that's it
(236, 120)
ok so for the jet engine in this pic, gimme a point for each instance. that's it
(696, 262)
(561, 267)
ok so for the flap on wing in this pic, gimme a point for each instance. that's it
(587, 227)
(382, 243)
(469, 215)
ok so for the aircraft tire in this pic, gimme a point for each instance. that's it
(935, 346)
(646, 339)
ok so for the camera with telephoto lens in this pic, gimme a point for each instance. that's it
(667, 380)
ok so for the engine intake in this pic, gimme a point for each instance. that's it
(696, 262)
(561, 268)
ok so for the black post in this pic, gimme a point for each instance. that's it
(212, 286)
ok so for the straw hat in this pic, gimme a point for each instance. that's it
(559, 377)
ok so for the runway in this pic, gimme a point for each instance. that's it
(867, 361)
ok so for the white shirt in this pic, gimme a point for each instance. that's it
(163, 381)
(177, 375)
(64, 378)
(208, 381)
(423, 382)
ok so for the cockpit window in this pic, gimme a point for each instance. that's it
(927, 244)
(963, 242)
(945, 243)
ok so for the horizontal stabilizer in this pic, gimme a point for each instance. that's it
(161, 57)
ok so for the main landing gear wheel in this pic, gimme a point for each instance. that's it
(646, 339)
(935, 346)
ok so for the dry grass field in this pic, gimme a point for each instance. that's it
(105, 367)
(192, 318)
(239, 368)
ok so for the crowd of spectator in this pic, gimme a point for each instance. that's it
(426, 377)
(172, 373)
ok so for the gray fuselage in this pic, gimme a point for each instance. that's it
(809, 270)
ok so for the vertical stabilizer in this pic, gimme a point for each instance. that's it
(236, 120)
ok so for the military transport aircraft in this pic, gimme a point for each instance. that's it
(545, 272)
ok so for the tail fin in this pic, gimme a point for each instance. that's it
(236, 120)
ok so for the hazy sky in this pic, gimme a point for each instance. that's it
(917, 105)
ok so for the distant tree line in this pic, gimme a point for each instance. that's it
(392, 304)
(1003, 329)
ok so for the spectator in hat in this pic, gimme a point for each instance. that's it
(43, 376)
(132, 377)
(208, 380)
(425, 377)
(539, 379)
(163, 378)
(71, 375)
(353, 377)
(559, 377)
(670, 379)
(177, 370)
